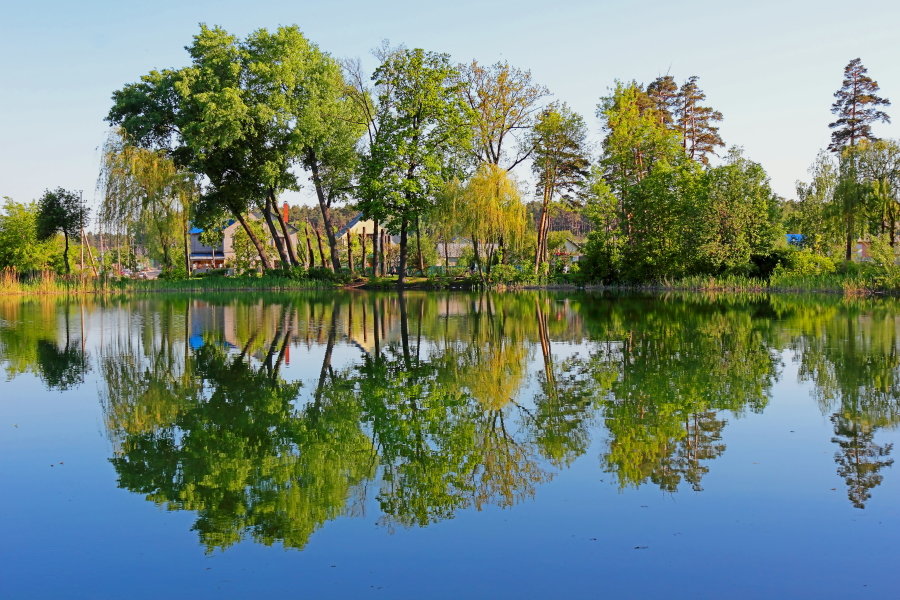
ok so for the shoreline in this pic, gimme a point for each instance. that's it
(145, 287)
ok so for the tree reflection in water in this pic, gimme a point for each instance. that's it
(443, 402)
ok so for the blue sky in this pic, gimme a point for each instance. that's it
(770, 67)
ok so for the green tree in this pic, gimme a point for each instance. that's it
(241, 116)
(665, 222)
(143, 189)
(492, 214)
(313, 115)
(20, 247)
(851, 199)
(422, 132)
(741, 219)
(856, 105)
(504, 101)
(560, 164)
(879, 163)
(61, 211)
(814, 205)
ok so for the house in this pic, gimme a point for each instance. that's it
(204, 258)
(356, 227)
(861, 251)
(450, 253)
(570, 250)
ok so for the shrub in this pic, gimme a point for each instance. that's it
(805, 262)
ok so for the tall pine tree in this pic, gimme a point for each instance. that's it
(663, 91)
(856, 105)
(700, 136)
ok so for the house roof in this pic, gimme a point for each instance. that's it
(343, 230)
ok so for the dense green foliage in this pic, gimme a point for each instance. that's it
(20, 248)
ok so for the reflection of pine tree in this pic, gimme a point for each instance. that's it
(702, 442)
(699, 442)
(860, 459)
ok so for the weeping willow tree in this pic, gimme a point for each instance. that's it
(145, 195)
(493, 215)
(445, 218)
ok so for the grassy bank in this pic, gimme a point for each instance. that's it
(788, 283)
(834, 283)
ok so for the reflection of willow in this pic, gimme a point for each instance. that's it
(438, 418)
(672, 367)
(147, 378)
(235, 449)
(30, 340)
(850, 352)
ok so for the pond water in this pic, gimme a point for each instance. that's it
(437, 445)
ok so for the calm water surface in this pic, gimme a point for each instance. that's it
(449, 445)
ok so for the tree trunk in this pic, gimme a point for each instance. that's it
(477, 255)
(325, 207)
(322, 250)
(362, 243)
(66, 250)
(263, 257)
(288, 242)
(849, 246)
(187, 245)
(421, 257)
(401, 268)
(384, 241)
(276, 239)
(349, 252)
(893, 229)
(376, 243)
(538, 252)
(312, 256)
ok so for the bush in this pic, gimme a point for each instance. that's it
(174, 274)
(885, 269)
(325, 274)
(805, 263)
(510, 275)
(763, 265)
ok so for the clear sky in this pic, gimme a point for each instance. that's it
(770, 67)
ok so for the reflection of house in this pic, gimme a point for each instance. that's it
(205, 257)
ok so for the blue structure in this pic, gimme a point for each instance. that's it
(795, 239)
